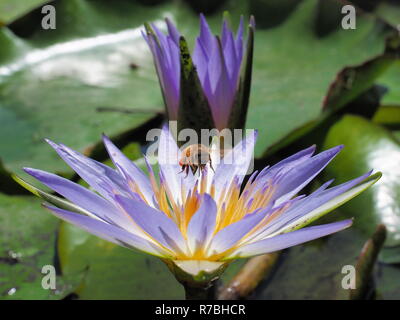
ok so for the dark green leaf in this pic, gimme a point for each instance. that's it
(194, 110)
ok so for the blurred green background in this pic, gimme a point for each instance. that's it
(313, 83)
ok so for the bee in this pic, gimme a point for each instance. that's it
(195, 157)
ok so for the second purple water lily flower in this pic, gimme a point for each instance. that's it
(222, 66)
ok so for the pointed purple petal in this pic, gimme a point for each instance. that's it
(155, 223)
(234, 163)
(81, 196)
(224, 32)
(161, 37)
(107, 231)
(133, 172)
(200, 60)
(168, 160)
(289, 239)
(231, 60)
(173, 31)
(285, 165)
(175, 65)
(314, 201)
(239, 39)
(230, 235)
(222, 94)
(298, 177)
(166, 59)
(100, 177)
(206, 36)
(202, 224)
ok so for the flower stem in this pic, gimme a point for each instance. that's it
(249, 277)
(201, 293)
(366, 262)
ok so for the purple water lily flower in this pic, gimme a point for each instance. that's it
(199, 222)
(218, 62)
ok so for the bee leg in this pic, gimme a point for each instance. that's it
(193, 168)
(211, 165)
(183, 169)
(187, 171)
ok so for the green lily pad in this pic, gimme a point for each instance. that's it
(368, 146)
(390, 12)
(27, 244)
(387, 282)
(388, 116)
(113, 272)
(313, 271)
(390, 255)
(11, 10)
(391, 80)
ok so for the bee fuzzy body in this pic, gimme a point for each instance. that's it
(195, 157)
